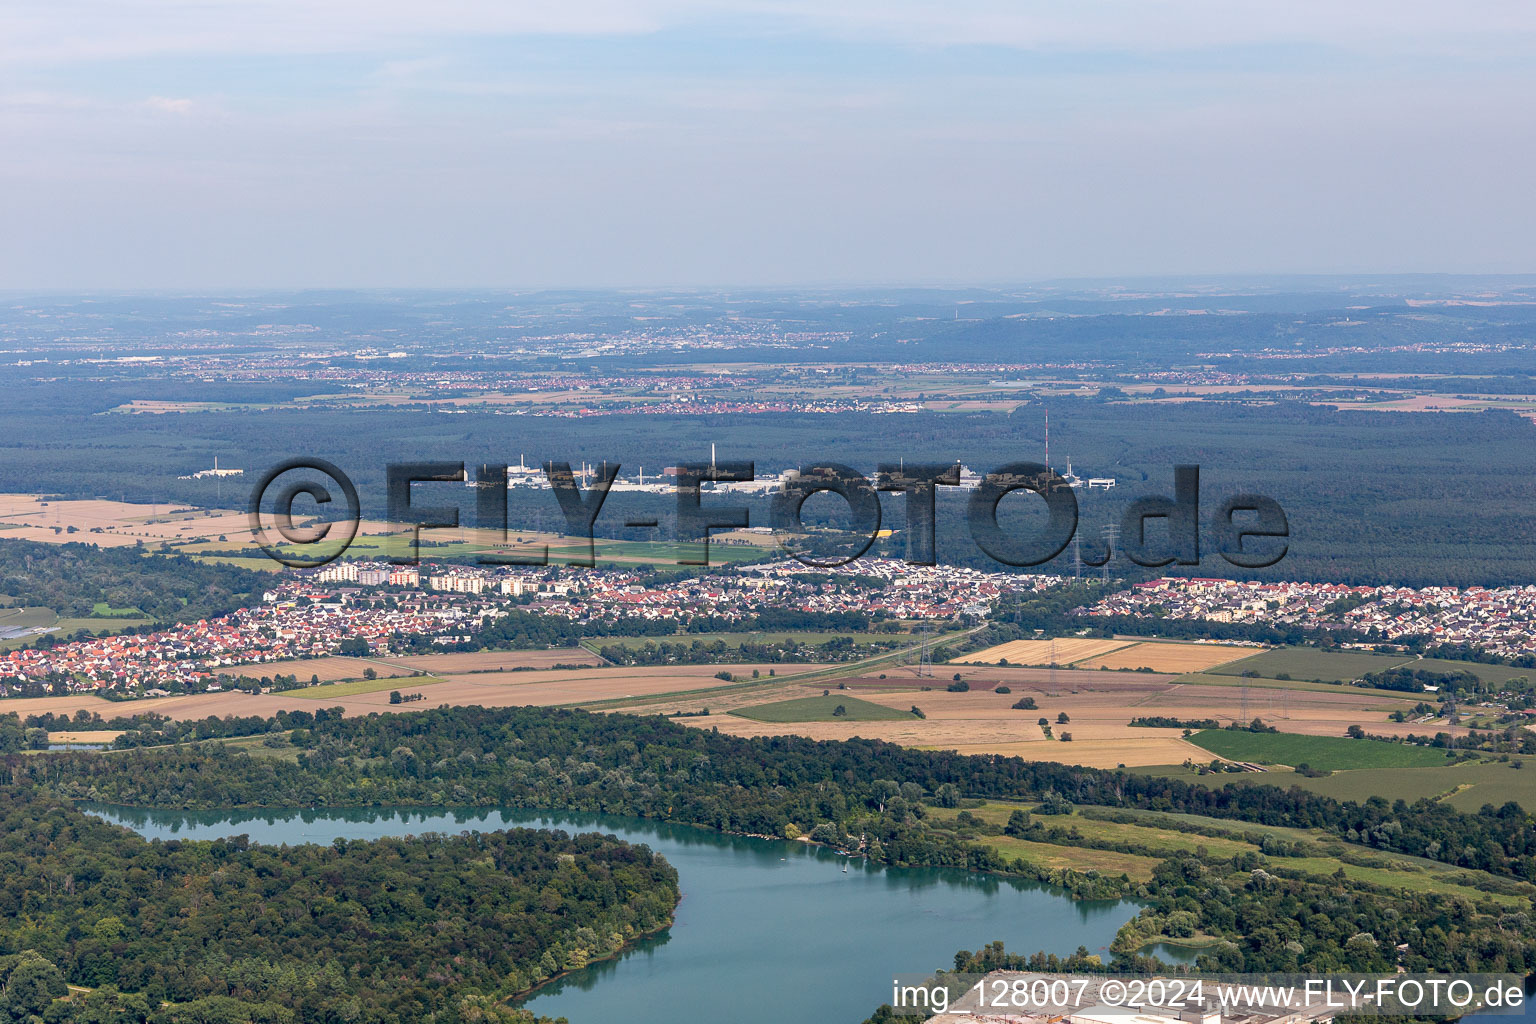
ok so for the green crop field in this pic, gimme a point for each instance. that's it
(1398, 871)
(325, 691)
(1467, 786)
(26, 617)
(1310, 664)
(381, 546)
(1164, 841)
(1496, 783)
(667, 554)
(1229, 827)
(114, 624)
(101, 608)
(256, 747)
(1263, 683)
(821, 709)
(1328, 753)
(1412, 879)
(769, 637)
(1047, 855)
(1496, 674)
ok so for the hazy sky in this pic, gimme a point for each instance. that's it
(216, 143)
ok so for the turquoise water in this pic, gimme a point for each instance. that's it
(768, 930)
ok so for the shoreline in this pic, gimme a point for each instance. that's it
(525, 994)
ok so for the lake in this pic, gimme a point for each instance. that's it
(768, 930)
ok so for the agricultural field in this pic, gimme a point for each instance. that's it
(1495, 674)
(1165, 657)
(117, 524)
(102, 736)
(1165, 841)
(1261, 683)
(980, 720)
(331, 691)
(766, 637)
(223, 535)
(331, 669)
(256, 746)
(1094, 653)
(1391, 875)
(1062, 651)
(20, 625)
(1392, 870)
(1228, 827)
(494, 661)
(1327, 753)
(1310, 664)
(1078, 858)
(1099, 704)
(380, 541)
(103, 610)
(543, 687)
(1466, 786)
(16, 619)
(1397, 869)
(1307, 663)
(823, 709)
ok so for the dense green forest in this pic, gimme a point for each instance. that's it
(73, 578)
(426, 928)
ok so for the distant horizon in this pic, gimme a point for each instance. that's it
(1219, 283)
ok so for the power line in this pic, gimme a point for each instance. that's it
(1111, 538)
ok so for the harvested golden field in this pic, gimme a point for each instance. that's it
(94, 736)
(332, 669)
(1020, 679)
(984, 721)
(1042, 652)
(1167, 657)
(24, 706)
(1020, 737)
(1099, 707)
(1308, 712)
(1130, 753)
(198, 706)
(118, 524)
(30, 517)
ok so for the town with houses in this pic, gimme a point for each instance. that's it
(376, 608)
(313, 613)
(1496, 620)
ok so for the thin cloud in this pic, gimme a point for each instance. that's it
(168, 105)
